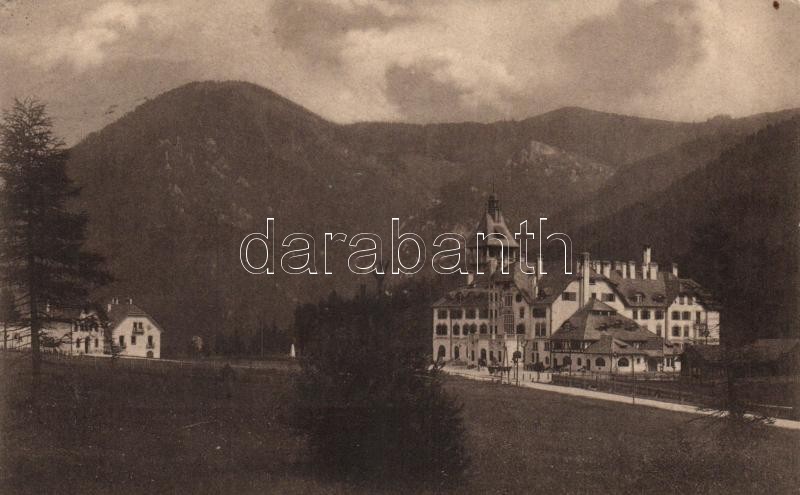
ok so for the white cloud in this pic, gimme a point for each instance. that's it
(87, 44)
(351, 60)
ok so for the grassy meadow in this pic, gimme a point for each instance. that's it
(171, 430)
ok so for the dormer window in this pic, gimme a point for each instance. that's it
(639, 297)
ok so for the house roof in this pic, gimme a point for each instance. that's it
(551, 285)
(687, 286)
(490, 225)
(610, 345)
(523, 281)
(120, 311)
(653, 292)
(65, 314)
(597, 319)
(769, 350)
(758, 351)
(464, 297)
(709, 353)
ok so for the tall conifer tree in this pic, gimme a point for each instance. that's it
(42, 243)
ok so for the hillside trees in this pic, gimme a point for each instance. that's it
(745, 247)
(41, 247)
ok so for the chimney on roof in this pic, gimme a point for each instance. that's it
(584, 278)
(470, 278)
(130, 300)
(675, 269)
(492, 265)
(646, 261)
(606, 265)
(632, 269)
(624, 269)
(654, 271)
(539, 265)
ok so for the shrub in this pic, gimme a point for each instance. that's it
(368, 403)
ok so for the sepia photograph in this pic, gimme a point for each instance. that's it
(399, 247)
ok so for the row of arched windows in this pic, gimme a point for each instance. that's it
(599, 362)
(441, 329)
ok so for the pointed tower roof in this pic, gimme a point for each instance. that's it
(492, 222)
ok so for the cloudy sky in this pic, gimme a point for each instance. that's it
(408, 60)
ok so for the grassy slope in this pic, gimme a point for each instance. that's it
(128, 433)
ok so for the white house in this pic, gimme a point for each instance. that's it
(135, 332)
(68, 331)
(84, 331)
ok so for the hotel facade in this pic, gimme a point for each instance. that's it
(607, 316)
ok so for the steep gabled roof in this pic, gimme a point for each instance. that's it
(521, 280)
(489, 225)
(596, 319)
(551, 285)
(119, 312)
(65, 315)
(687, 286)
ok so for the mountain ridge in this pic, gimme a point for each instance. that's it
(172, 187)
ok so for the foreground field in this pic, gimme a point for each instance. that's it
(169, 431)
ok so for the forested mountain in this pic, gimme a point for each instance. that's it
(173, 186)
(733, 225)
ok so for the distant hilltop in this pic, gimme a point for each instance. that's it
(173, 186)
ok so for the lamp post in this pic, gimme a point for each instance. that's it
(633, 373)
(524, 353)
(613, 357)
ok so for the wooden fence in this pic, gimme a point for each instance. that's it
(713, 397)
